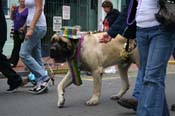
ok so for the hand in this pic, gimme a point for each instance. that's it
(29, 33)
(21, 30)
(106, 38)
(13, 8)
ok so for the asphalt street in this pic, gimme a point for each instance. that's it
(22, 103)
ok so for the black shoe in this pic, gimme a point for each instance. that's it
(11, 90)
(14, 87)
(128, 103)
(173, 107)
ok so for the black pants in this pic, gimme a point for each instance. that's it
(5, 68)
(16, 48)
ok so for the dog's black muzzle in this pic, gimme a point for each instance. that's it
(60, 52)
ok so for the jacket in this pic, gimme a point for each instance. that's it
(111, 16)
(125, 24)
(3, 28)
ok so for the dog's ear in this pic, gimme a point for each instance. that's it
(54, 38)
(67, 41)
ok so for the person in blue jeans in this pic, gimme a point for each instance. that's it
(131, 103)
(30, 52)
(155, 44)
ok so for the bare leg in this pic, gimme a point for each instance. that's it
(65, 82)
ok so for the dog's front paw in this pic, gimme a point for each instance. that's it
(115, 97)
(61, 102)
(93, 101)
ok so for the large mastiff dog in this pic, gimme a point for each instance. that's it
(94, 58)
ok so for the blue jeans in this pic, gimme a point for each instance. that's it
(30, 54)
(138, 83)
(155, 46)
(139, 79)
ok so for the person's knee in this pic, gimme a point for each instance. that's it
(23, 54)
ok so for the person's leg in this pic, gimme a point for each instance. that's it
(3, 31)
(16, 48)
(27, 48)
(139, 82)
(152, 100)
(14, 80)
(37, 54)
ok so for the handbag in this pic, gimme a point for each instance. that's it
(166, 14)
(22, 34)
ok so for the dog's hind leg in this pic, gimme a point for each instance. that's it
(123, 71)
(65, 82)
(97, 82)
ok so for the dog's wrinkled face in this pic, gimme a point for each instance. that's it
(61, 49)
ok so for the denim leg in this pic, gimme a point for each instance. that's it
(166, 110)
(152, 100)
(138, 84)
(143, 45)
(26, 54)
(37, 54)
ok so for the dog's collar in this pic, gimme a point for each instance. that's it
(78, 51)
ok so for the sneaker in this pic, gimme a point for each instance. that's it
(39, 89)
(11, 90)
(128, 103)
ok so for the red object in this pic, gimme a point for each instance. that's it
(105, 25)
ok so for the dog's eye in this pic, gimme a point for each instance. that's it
(53, 41)
(63, 44)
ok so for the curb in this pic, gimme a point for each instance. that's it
(25, 73)
(56, 71)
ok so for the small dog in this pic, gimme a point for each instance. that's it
(94, 58)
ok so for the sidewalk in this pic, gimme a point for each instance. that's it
(63, 68)
(49, 65)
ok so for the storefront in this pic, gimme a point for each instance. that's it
(86, 13)
(83, 13)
